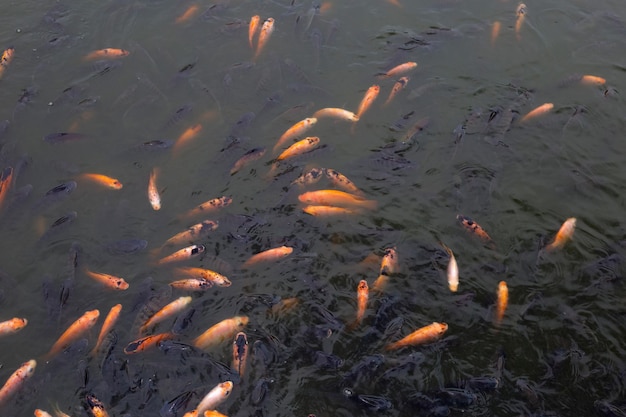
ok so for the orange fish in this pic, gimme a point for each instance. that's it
(269, 255)
(12, 326)
(6, 182)
(368, 99)
(452, 272)
(592, 80)
(474, 228)
(302, 146)
(147, 342)
(336, 198)
(153, 192)
(195, 232)
(495, 31)
(41, 413)
(215, 397)
(336, 113)
(96, 406)
(192, 284)
(186, 136)
(206, 274)
(221, 331)
(209, 206)
(295, 131)
(103, 180)
(325, 211)
(74, 332)
(240, 353)
(341, 181)
(183, 254)
(109, 281)
(169, 310)
(544, 108)
(422, 335)
(564, 234)
(5, 59)
(106, 53)
(503, 300)
(399, 69)
(388, 266)
(213, 413)
(266, 31)
(16, 380)
(399, 85)
(521, 15)
(362, 296)
(254, 25)
(187, 14)
(108, 324)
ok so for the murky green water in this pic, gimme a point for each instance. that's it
(558, 350)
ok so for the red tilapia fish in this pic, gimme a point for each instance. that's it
(422, 335)
(474, 228)
(12, 326)
(214, 398)
(328, 211)
(195, 232)
(147, 342)
(336, 113)
(107, 326)
(503, 301)
(388, 266)
(399, 70)
(209, 206)
(266, 31)
(295, 131)
(207, 275)
(166, 312)
(564, 234)
(106, 53)
(183, 254)
(96, 406)
(221, 331)
(269, 255)
(16, 381)
(336, 198)
(109, 281)
(74, 332)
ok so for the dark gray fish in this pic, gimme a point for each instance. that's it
(370, 402)
(260, 390)
(155, 145)
(126, 246)
(63, 137)
(183, 321)
(57, 194)
(59, 224)
(178, 115)
(250, 156)
(607, 409)
(242, 124)
(327, 361)
(176, 404)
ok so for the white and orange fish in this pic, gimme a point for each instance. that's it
(221, 331)
(538, 111)
(183, 254)
(16, 381)
(564, 234)
(153, 192)
(266, 31)
(193, 233)
(215, 397)
(206, 274)
(399, 70)
(420, 336)
(270, 255)
(368, 98)
(592, 80)
(336, 113)
(252, 28)
(399, 85)
(452, 272)
(192, 284)
(336, 198)
(209, 206)
(164, 313)
(13, 325)
(106, 53)
(74, 332)
(300, 147)
(521, 15)
(42, 413)
(341, 181)
(388, 266)
(107, 326)
(109, 281)
(147, 342)
(103, 180)
(295, 131)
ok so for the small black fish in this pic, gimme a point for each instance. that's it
(63, 137)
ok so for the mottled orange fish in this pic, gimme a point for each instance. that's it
(252, 28)
(341, 181)
(109, 281)
(399, 69)
(188, 14)
(209, 206)
(106, 53)
(192, 284)
(193, 233)
(564, 234)
(153, 192)
(16, 381)
(295, 131)
(221, 331)
(13, 325)
(270, 255)
(474, 228)
(495, 31)
(74, 332)
(96, 406)
(362, 294)
(183, 254)
(503, 301)
(399, 85)
(336, 198)
(205, 274)
(107, 326)
(336, 113)
(103, 180)
(388, 266)
(240, 353)
(422, 335)
(521, 15)
(300, 147)
(189, 134)
(266, 31)
(327, 211)
(166, 312)
(5, 59)
(368, 99)
(147, 342)
(544, 108)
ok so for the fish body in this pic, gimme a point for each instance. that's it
(6, 183)
(537, 111)
(266, 31)
(186, 136)
(502, 302)
(96, 406)
(268, 255)
(215, 397)
(189, 13)
(495, 31)
(207, 275)
(253, 27)
(336, 198)
(388, 266)
(193, 233)
(147, 342)
(309, 177)
(341, 181)
(221, 331)
(592, 80)
(368, 98)
(400, 69)
(302, 146)
(104, 180)
(192, 284)
(564, 234)
(169, 310)
(240, 353)
(183, 254)
(210, 206)
(452, 272)
(336, 113)
(362, 296)
(521, 15)
(422, 335)
(107, 326)
(74, 332)
(106, 53)
(294, 131)
(5, 59)
(326, 211)
(248, 157)
(16, 380)
(153, 192)
(41, 413)
(109, 281)
(13, 325)
(399, 85)
(474, 228)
